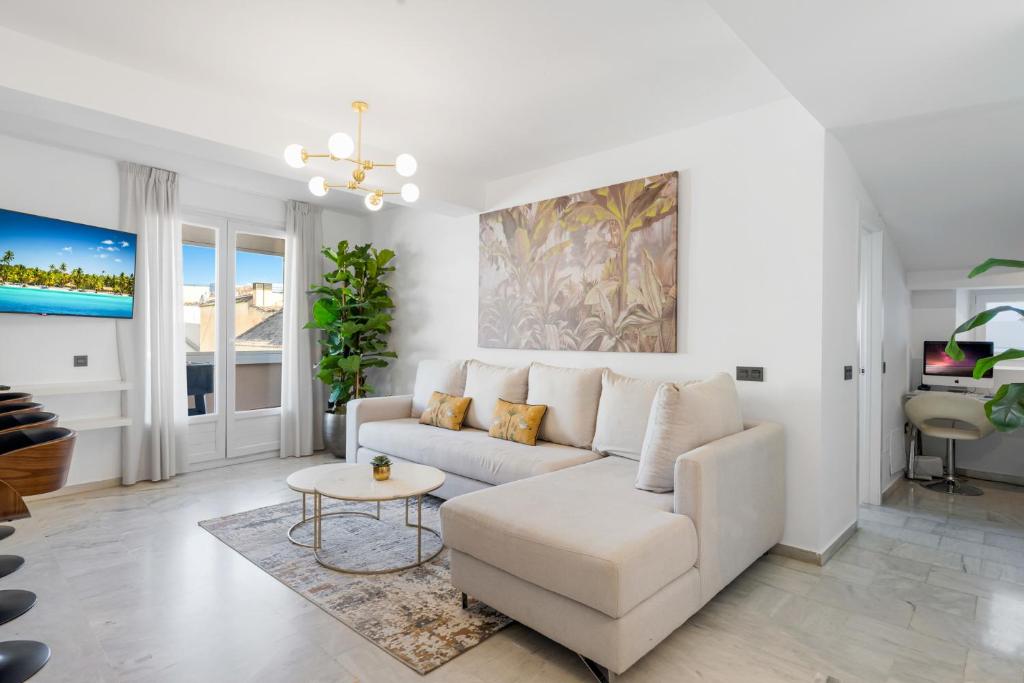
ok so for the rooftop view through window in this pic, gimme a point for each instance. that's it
(257, 320)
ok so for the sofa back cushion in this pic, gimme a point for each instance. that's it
(571, 395)
(446, 376)
(485, 384)
(684, 417)
(622, 414)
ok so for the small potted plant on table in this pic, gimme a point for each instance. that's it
(381, 467)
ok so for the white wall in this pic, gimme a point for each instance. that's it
(34, 349)
(933, 317)
(75, 186)
(847, 206)
(750, 273)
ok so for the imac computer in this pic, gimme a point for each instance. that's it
(941, 370)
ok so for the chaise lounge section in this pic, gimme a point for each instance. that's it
(609, 571)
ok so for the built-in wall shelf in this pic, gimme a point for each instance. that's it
(81, 424)
(65, 388)
(84, 424)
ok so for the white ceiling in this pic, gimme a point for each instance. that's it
(483, 89)
(927, 97)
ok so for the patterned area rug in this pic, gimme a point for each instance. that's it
(415, 615)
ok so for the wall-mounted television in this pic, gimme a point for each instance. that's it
(54, 267)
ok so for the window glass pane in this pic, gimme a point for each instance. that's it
(259, 319)
(199, 262)
(1006, 330)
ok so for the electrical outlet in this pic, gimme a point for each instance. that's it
(81, 361)
(748, 373)
(847, 372)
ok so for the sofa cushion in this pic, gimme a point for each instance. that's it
(683, 418)
(445, 411)
(584, 532)
(469, 453)
(446, 376)
(622, 414)
(517, 422)
(571, 395)
(485, 384)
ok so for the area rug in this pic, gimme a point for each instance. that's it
(415, 615)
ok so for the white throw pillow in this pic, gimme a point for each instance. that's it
(683, 418)
(622, 414)
(446, 376)
(485, 384)
(571, 395)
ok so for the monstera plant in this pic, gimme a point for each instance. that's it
(1006, 408)
(353, 313)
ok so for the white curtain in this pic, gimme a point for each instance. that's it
(151, 347)
(301, 395)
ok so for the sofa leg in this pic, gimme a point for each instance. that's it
(600, 674)
(465, 601)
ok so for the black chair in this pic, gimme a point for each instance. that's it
(14, 397)
(19, 407)
(34, 460)
(10, 422)
(199, 383)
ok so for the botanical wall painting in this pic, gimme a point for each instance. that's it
(591, 271)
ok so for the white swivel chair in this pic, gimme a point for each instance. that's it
(953, 417)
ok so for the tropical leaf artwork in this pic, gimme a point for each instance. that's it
(591, 271)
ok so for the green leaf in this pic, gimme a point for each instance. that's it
(995, 263)
(348, 329)
(322, 313)
(335, 395)
(350, 364)
(384, 256)
(1006, 409)
(953, 349)
(985, 364)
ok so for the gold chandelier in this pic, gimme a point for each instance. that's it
(340, 147)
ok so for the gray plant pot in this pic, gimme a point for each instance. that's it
(334, 433)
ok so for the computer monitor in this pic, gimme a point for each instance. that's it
(941, 370)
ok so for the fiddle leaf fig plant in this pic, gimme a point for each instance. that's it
(354, 314)
(1006, 408)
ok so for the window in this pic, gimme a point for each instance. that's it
(1006, 330)
(259, 320)
(199, 268)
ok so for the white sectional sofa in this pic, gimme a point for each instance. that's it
(559, 538)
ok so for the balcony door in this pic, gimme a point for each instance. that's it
(233, 312)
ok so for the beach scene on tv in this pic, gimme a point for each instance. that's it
(54, 267)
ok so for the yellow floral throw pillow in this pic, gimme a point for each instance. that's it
(517, 422)
(445, 411)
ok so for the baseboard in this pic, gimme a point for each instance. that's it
(1015, 479)
(77, 488)
(812, 557)
(891, 488)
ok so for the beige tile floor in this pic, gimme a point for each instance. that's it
(130, 589)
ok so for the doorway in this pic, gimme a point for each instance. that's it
(870, 334)
(233, 275)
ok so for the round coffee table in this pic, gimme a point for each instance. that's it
(355, 483)
(303, 481)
